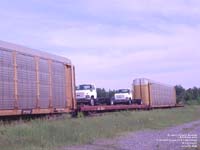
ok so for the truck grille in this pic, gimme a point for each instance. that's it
(80, 95)
(120, 97)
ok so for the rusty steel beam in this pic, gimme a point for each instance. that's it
(111, 108)
(50, 83)
(15, 80)
(37, 80)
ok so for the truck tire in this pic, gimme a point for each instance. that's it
(112, 102)
(141, 102)
(92, 102)
(129, 102)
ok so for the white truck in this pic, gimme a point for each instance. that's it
(123, 96)
(86, 94)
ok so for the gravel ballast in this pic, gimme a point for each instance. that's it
(164, 139)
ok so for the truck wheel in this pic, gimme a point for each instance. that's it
(129, 102)
(92, 103)
(112, 102)
(141, 102)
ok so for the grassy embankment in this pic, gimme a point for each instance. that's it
(48, 134)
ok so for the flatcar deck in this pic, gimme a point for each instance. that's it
(86, 108)
(104, 108)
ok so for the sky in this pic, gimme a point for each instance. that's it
(112, 42)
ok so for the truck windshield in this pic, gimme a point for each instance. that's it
(84, 87)
(123, 91)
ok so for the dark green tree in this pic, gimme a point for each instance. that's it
(180, 93)
(187, 96)
(111, 93)
(196, 93)
(101, 92)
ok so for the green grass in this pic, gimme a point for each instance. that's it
(50, 134)
(193, 102)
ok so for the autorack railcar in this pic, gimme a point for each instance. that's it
(34, 82)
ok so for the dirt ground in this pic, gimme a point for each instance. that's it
(181, 137)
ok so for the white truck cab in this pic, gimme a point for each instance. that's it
(86, 94)
(122, 96)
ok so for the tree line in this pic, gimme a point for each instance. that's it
(191, 95)
(101, 92)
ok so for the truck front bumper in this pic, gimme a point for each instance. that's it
(83, 101)
(121, 101)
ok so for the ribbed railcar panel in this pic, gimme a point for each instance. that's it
(44, 83)
(7, 99)
(58, 85)
(162, 95)
(27, 89)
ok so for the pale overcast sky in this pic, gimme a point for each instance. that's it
(111, 42)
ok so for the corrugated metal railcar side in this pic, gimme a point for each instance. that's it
(154, 94)
(34, 82)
